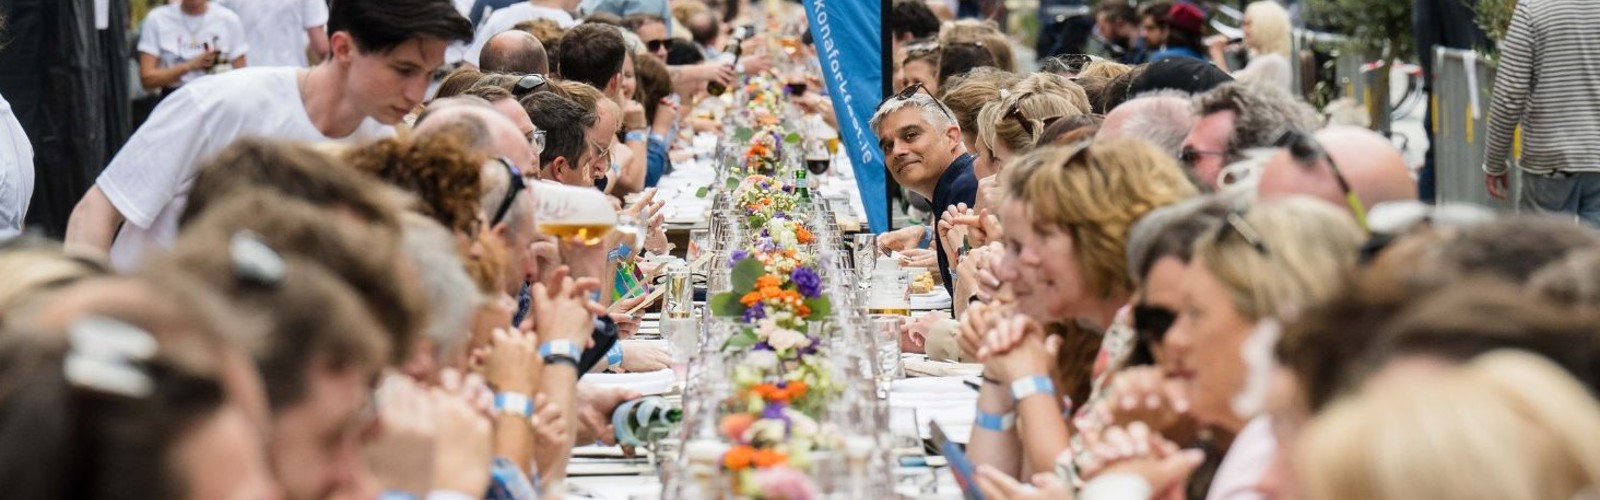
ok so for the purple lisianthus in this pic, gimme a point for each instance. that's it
(763, 346)
(811, 348)
(736, 256)
(807, 281)
(754, 313)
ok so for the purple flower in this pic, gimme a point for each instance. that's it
(736, 256)
(762, 346)
(774, 410)
(806, 281)
(780, 215)
(811, 348)
(754, 313)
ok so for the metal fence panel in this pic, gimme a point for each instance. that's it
(1460, 128)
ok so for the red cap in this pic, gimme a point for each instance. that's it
(1186, 17)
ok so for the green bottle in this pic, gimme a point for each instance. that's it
(800, 188)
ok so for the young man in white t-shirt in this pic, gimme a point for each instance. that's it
(384, 53)
(281, 31)
(187, 40)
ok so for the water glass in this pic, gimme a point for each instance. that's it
(886, 349)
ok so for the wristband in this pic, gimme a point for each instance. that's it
(566, 348)
(513, 403)
(396, 495)
(614, 356)
(927, 238)
(560, 359)
(658, 137)
(635, 135)
(1025, 387)
(996, 423)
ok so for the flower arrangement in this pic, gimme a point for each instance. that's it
(764, 198)
(765, 154)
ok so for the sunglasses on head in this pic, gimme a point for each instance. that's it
(1306, 151)
(911, 90)
(528, 84)
(1151, 322)
(516, 186)
(1027, 125)
(1236, 222)
(1072, 63)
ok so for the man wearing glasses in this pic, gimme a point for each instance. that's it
(1238, 116)
(1351, 167)
(922, 149)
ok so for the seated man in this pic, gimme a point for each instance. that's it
(514, 52)
(922, 149)
(1239, 116)
(1336, 163)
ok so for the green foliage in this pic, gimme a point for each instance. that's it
(744, 275)
(745, 338)
(1494, 16)
(702, 192)
(792, 138)
(1376, 28)
(743, 135)
(726, 305)
(820, 307)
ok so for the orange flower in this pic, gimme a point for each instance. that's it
(750, 299)
(802, 311)
(771, 292)
(739, 457)
(768, 458)
(768, 280)
(804, 236)
(734, 425)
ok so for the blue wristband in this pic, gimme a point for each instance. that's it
(1025, 387)
(514, 403)
(396, 495)
(614, 356)
(996, 423)
(635, 135)
(927, 238)
(560, 347)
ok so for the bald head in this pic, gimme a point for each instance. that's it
(1162, 119)
(514, 52)
(493, 134)
(1369, 162)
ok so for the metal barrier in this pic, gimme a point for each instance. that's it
(1462, 82)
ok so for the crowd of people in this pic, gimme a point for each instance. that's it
(1181, 283)
(316, 270)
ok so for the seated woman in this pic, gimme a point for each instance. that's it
(1069, 210)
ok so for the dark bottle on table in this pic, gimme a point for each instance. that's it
(730, 56)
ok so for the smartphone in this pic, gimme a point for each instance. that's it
(604, 336)
(959, 464)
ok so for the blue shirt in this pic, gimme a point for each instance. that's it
(481, 9)
(1171, 52)
(625, 8)
(957, 185)
(655, 161)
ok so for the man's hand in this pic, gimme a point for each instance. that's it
(975, 268)
(595, 405)
(900, 240)
(511, 359)
(1499, 185)
(644, 357)
(204, 61)
(563, 311)
(919, 258)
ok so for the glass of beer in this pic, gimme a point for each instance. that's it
(573, 213)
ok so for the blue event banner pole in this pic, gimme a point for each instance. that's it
(847, 34)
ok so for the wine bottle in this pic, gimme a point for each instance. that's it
(645, 420)
(730, 57)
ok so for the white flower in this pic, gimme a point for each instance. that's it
(785, 338)
(765, 430)
(762, 360)
(801, 425)
(765, 327)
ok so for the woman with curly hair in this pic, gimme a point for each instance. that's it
(440, 169)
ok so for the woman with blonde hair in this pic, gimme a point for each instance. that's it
(966, 94)
(1069, 210)
(1267, 45)
(1507, 425)
(1011, 125)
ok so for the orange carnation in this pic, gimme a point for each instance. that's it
(740, 457)
(768, 458)
(750, 299)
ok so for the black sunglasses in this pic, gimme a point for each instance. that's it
(658, 45)
(911, 90)
(1306, 151)
(529, 83)
(517, 185)
(1191, 155)
(1151, 322)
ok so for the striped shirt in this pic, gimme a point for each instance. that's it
(1548, 81)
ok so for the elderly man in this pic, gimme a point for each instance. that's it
(922, 149)
(494, 133)
(1335, 164)
(514, 52)
(1162, 118)
(1239, 116)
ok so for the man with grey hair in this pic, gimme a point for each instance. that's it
(1163, 118)
(452, 297)
(922, 149)
(493, 133)
(1238, 116)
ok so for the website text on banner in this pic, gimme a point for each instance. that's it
(848, 43)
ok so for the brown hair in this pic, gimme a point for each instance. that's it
(457, 82)
(966, 94)
(441, 169)
(289, 169)
(1095, 193)
(655, 83)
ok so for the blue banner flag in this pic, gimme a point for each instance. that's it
(847, 37)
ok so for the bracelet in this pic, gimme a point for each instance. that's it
(927, 237)
(635, 135)
(560, 359)
(996, 423)
(513, 403)
(560, 347)
(614, 356)
(658, 137)
(1029, 386)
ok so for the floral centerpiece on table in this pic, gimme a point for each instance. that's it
(765, 154)
(763, 198)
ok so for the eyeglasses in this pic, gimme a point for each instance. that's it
(602, 153)
(517, 185)
(1189, 156)
(1236, 222)
(536, 139)
(658, 45)
(1151, 322)
(909, 91)
(1306, 151)
(529, 83)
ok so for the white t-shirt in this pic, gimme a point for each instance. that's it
(276, 29)
(16, 172)
(149, 180)
(175, 37)
(505, 19)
